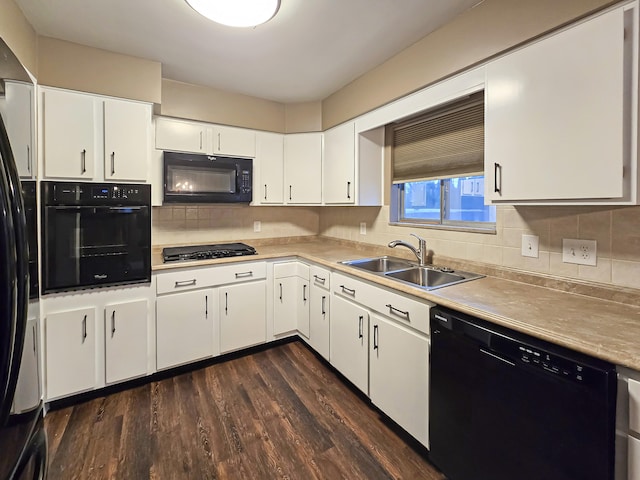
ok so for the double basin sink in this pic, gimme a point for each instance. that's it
(427, 277)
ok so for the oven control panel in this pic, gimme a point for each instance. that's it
(95, 194)
(115, 192)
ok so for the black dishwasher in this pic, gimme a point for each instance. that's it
(507, 406)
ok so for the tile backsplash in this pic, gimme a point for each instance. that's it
(615, 229)
(212, 224)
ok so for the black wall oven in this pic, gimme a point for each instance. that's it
(95, 235)
(29, 199)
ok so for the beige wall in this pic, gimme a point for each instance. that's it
(78, 67)
(475, 35)
(303, 117)
(207, 104)
(218, 223)
(19, 35)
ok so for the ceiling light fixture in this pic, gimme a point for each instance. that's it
(236, 13)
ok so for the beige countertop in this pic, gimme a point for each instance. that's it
(602, 328)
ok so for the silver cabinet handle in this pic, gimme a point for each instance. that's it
(304, 293)
(319, 279)
(265, 191)
(113, 163)
(219, 142)
(200, 139)
(395, 310)
(290, 190)
(29, 159)
(350, 291)
(281, 292)
(34, 339)
(113, 323)
(360, 320)
(244, 274)
(375, 337)
(83, 160)
(349, 190)
(226, 302)
(185, 283)
(84, 328)
(206, 306)
(323, 311)
(497, 169)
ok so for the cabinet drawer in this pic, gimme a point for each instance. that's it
(238, 272)
(320, 277)
(183, 280)
(634, 405)
(291, 269)
(406, 310)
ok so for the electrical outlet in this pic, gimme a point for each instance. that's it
(363, 228)
(257, 226)
(530, 245)
(582, 252)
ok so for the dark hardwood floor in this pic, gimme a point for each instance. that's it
(279, 413)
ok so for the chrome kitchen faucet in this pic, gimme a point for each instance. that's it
(420, 252)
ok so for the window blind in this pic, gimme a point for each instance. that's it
(447, 142)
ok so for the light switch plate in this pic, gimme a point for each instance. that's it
(530, 245)
(363, 228)
(257, 226)
(582, 252)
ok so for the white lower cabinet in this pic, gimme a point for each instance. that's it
(70, 338)
(184, 327)
(285, 304)
(399, 375)
(242, 315)
(349, 343)
(125, 333)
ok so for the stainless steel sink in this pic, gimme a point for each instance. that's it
(427, 278)
(431, 278)
(380, 264)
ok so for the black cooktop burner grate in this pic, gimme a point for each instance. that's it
(204, 252)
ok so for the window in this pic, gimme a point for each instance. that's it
(438, 160)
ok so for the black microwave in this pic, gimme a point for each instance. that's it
(193, 178)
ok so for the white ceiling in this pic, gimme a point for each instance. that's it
(308, 51)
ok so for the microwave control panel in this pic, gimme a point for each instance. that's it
(245, 181)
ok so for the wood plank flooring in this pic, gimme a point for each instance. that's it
(277, 414)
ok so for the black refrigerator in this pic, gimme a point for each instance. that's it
(22, 436)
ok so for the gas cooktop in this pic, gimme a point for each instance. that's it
(204, 252)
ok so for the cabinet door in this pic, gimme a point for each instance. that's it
(269, 165)
(18, 120)
(126, 140)
(184, 327)
(236, 142)
(302, 310)
(70, 345)
(633, 461)
(125, 333)
(27, 394)
(303, 168)
(338, 164)
(319, 320)
(180, 136)
(285, 301)
(555, 116)
(349, 342)
(68, 131)
(399, 375)
(242, 316)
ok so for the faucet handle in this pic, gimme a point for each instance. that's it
(420, 239)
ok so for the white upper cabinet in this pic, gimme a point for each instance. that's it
(68, 130)
(558, 126)
(338, 165)
(268, 169)
(126, 140)
(18, 117)
(303, 168)
(235, 142)
(182, 136)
